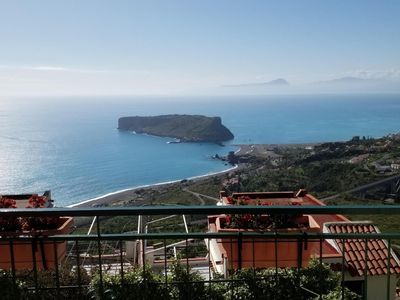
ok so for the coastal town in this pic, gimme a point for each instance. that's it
(320, 167)
(361, 171)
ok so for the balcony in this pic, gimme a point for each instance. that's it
(173, 252)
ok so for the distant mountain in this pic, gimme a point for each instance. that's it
(347, 84)
(344, 80)
(187, 128)
(276, 82)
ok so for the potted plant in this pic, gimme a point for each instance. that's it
(8, 223)
(25, 253)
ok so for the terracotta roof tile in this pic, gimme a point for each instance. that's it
(382, 254)
(381, 264)
(353, 246)
(371, 256)
(375, 254)
(381, 244)
(355, 250)
(358, 245)
(357, 265)
(375, 264)
(359, 256)
(352, 256)
(375, 245)
(370, 265)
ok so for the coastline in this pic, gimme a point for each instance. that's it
(260, 150)
(129, 193)
(126, 194)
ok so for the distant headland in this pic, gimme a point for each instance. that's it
(185, 128)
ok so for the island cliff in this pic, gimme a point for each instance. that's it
(186, 128)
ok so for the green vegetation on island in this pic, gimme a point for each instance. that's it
(186, 128)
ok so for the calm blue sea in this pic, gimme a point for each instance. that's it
(72, 146)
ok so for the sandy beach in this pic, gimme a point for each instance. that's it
(131, 193)
(126, 195)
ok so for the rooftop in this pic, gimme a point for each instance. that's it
(356, 251)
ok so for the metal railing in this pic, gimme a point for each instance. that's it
(175, 264)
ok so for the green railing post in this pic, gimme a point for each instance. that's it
(276, 255)
(99, 255)
(57, 273)
(78, 266)
(320, 264)
(12, 257)
(35, 272)
(121, 259)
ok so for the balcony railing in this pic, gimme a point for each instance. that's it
(178, 258)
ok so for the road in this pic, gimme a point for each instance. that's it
(200, 196)
(364, 187)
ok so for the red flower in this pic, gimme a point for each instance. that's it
(36, 201)
(247, 217)
(7, 203)
(9, 223)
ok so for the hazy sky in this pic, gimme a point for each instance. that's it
(157, 47)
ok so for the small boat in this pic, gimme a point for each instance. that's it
(175, 141)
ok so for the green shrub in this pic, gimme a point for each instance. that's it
(138, 283)
(337, 294)
(47, 283)
(9, 290)
(319, 277)
(186, 284)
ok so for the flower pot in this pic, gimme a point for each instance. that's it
(265, 252)
(46, 253)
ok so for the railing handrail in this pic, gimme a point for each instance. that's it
(266, 235)
(203, 210)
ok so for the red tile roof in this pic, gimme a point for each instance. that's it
(354, 249)
(376, 255)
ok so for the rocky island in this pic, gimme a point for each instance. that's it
(186, 128)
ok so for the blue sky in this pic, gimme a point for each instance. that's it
(164, 47)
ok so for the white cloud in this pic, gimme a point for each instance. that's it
(58, 80)
(393, 73)
(49, 68)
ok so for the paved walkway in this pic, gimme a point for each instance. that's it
(200, 196)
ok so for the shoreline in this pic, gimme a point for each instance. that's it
(126, 193)
(263, 150)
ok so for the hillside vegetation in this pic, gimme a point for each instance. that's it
(186, 128)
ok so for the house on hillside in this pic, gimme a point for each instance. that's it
(364, 263)
(395, 166)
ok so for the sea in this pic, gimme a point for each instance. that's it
(71, 145)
